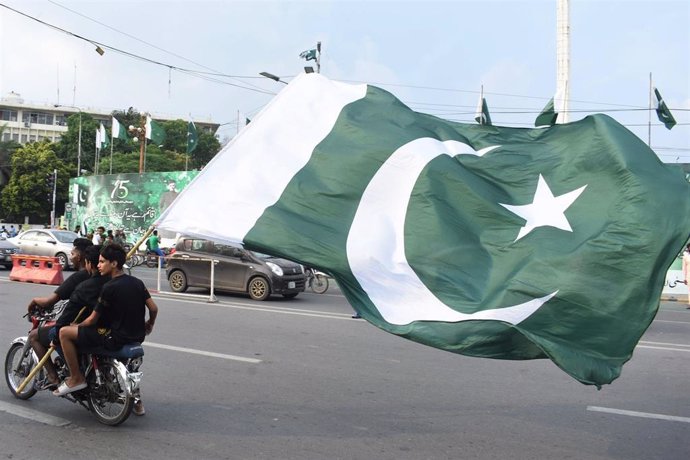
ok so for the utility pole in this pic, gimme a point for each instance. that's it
(318, 57)
(563, 60)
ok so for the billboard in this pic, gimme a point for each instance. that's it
(131, 201)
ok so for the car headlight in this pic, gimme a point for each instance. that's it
(275, 268)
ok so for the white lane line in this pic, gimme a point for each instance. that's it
(202, 352)
(662, 348)
(669, 321)
(665, 343)
(631, 413)
(287, 311)
(33, 415)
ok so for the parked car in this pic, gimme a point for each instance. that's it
(7, 248)
(47, 242)
(236, 270)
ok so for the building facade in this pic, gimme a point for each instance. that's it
(30, 122)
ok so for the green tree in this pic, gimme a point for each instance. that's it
(7, 148)
(27, 193)
(68, 147)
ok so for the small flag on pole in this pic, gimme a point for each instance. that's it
(154, 131)
(663, 112)
(192, 137)
(482, 115)
(309, 55)
(105, 141)
(118, 130)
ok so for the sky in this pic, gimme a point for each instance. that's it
(434, 56)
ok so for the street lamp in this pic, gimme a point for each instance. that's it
(79, 141)
(272, 77)
(140, 133)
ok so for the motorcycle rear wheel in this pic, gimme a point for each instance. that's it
(109, 401)
(16, 370)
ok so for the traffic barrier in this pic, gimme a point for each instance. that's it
(36, 269)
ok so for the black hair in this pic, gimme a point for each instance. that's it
(82, 243)
(91, 254)
(114, 252)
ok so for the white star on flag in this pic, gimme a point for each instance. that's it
(545, 210)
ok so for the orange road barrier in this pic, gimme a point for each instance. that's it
(36, 269)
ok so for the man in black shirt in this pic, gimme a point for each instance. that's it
(118, 318)
(39, 338)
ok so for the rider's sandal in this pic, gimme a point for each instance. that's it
(65, 389)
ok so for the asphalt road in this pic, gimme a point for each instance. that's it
(300, 379)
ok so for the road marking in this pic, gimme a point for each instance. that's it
(665, 343)
(271, 309)
(662, 348)
(33, 415)
(631, 413)
(202, 352)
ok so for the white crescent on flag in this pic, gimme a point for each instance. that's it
(376, 243)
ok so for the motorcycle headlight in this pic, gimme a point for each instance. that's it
(275, 268)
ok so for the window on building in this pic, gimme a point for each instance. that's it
(61, 120)
(8, 115)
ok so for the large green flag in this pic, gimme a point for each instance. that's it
(495, 242)
(192, 137)
(663, 112)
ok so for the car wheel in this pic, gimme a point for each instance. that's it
(178, 281)
(62, 260)
(291, 295)
(258, 288)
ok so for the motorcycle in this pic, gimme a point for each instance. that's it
(113, 377)
(316, 280)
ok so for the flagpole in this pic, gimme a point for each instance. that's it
(481, 101)
(318, 57)
(112, 141)
(649, 120)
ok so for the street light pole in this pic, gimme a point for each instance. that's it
(140, 133)
(272, 77)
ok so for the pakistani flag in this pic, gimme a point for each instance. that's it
(103, 136)
(309, 55)
(507, 243)
(482, 115)
(663, 112)
(118, 131)
(192, 137)
(547, 116)
(154, 131)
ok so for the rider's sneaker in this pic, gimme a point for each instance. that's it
(139, 408)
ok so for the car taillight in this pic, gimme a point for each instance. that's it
(172, 251)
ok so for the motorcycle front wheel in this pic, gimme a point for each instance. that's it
(109, 400)
(17, 367)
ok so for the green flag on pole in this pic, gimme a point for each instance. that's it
(482, 114)
(192, 137)
(154, 131)
(663, 112)
(118, 131)
(547, 116)
(309, 55)
(507, 243)
(105, 140)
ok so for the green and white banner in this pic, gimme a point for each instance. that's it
(488, 241)
(128, 201)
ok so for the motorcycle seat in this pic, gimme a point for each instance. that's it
(131, 350)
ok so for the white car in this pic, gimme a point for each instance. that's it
(47, 242)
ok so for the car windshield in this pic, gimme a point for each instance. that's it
(65, 236)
